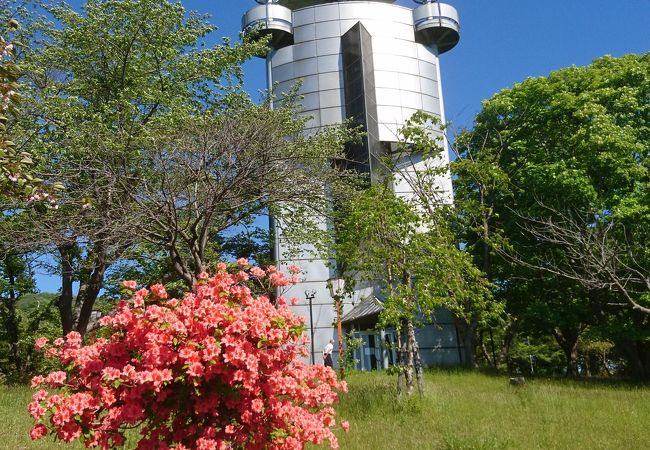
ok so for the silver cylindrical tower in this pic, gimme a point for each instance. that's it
(372, 62)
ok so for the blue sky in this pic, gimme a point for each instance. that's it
(502, 42)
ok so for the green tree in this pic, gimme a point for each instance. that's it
(420, 163)
(221, 170)
(480, 185)
(157, 145)
(16, 280)
(14, 174)
(554, 176)
(17, 180)
(12, 163)
(99, 84)
(416, 264)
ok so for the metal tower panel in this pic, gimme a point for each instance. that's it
(297, 4)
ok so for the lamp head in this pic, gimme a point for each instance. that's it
(336, 286)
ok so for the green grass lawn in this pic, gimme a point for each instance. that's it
(460, 411)
(474, 411)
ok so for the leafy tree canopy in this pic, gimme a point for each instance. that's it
(555, 176)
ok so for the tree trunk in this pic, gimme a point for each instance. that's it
(408, 370)
(506, 343)
(67, 278)
(638, 358)
(569, 343)
(573, 360)
(485, 354)
(400, 364)
(467, 336)
(179, 265)
(605, 364)
(12, 320)
(417, 362)
(406, 361)
(94, 284)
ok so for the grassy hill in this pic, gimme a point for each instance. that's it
(474, 411)
(29, 300)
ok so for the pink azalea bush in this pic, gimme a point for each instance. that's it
(217, 369)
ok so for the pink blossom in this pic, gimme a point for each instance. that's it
(242, 276)
(36, 410)
(130, 285)
(196, 369)
(111, 373)
(107, 397)
(73, 339)
(39, 396)
(345, 425)
(278, 279)
(242, 262)
(56, 379)
(294, 269)
(142, 293)
(203, 276)
(206, 444)
(258, 272)
(38, 431)
(159, 291)
(257, 405)
(40, 343)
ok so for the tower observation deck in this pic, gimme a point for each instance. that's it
(372, 62)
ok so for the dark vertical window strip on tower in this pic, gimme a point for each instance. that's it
(360, 100)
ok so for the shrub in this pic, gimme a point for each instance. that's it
(217, 369)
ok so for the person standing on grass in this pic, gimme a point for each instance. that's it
(327, 354)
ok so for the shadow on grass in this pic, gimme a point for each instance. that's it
(577, 382)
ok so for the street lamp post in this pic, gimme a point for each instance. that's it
(336, 287)
(310, 295)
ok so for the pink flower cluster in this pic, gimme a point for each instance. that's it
(217, 369)
(6, 49)
(7, 92)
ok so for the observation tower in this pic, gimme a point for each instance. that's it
(373, 62)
